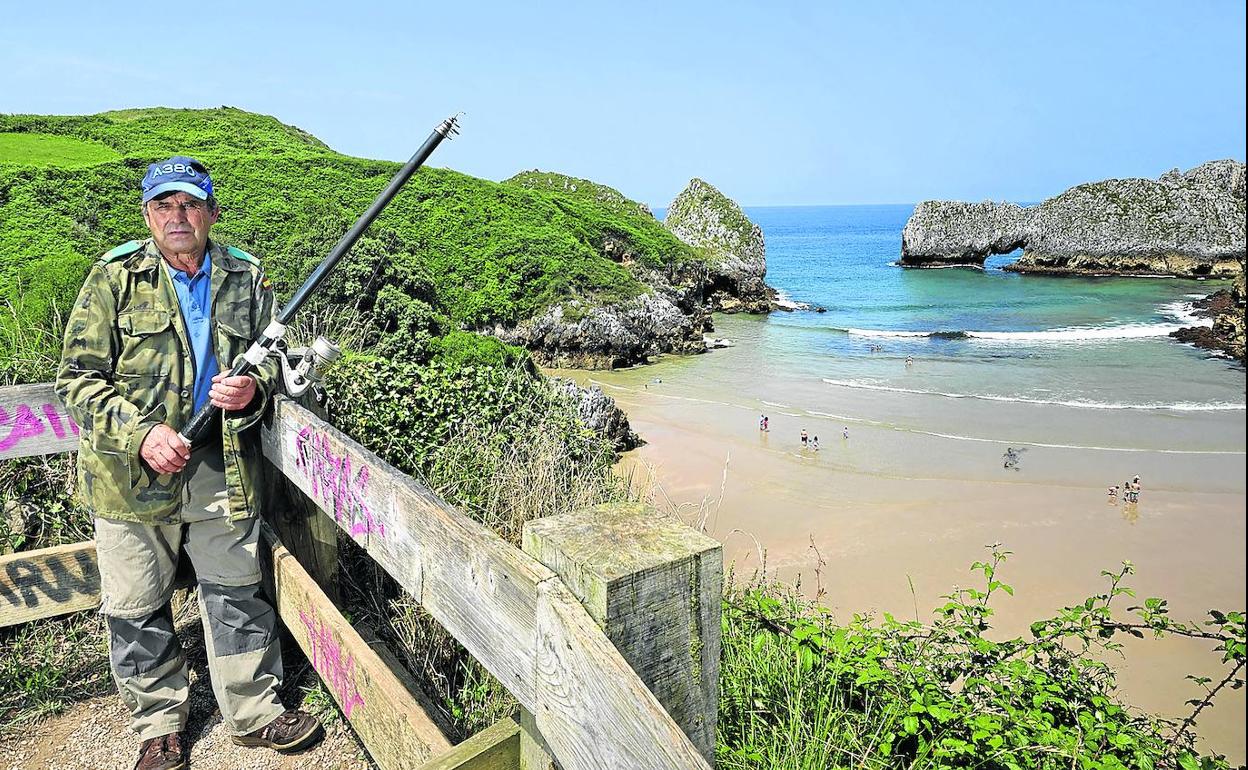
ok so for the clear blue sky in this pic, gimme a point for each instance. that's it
(774, 103)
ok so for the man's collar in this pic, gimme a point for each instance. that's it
(149, 257)
(205, 267)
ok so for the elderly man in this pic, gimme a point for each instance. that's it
(153, 326)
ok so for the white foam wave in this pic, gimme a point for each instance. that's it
(1185, 313)
(886, 333)
(778, 406)
(1085, 334)
(840, 418)
(1180, 311)
(1179, 406)
(956, 437)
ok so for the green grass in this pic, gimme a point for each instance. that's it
(47, 665)
(450, 252)
(49, 150)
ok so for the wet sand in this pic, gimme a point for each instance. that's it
(899, 510)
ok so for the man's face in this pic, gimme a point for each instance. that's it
(179, 223)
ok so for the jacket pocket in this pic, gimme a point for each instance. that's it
(148, 344)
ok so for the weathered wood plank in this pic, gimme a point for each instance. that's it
(391, 719)
(653, 585)
(497, 747)
(48, 582)
(512, 613)
(592, 708)
(303, 527)
(33, 421)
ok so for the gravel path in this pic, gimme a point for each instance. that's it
(93, 736)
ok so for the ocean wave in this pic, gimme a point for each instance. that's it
(956, 437)
(844, 418)
(1185, 313)
(1085, 334)
(1069, 334)
(1178, 406)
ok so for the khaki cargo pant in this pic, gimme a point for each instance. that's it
(137, 565)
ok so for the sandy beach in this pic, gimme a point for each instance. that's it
(899, 510)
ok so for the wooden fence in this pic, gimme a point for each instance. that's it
(605, 627)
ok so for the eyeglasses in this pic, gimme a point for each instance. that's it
(165, 208)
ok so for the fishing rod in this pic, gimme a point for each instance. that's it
(272, 334)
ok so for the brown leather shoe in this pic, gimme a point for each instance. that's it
(291, 731)
(168, 752)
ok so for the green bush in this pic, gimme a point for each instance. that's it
(799, 690)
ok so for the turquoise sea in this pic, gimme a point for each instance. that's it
(1083, 342)
(917, 383)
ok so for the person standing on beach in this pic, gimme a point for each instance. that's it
(845, 432)
(805, 438)
(766, 424)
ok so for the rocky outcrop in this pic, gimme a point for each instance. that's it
(952, 233)
(1226, 308)
(1182, 224)
(736, 255)
(707, 256)
(600, 413)
(578, 336)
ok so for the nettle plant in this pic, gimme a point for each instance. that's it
(892, 693)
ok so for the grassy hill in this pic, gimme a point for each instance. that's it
(451, 252)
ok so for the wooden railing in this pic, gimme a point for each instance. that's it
(605, 627)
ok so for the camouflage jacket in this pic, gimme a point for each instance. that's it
(126, 367)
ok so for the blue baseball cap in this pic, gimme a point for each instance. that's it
(178, 174)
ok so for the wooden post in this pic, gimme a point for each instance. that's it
(654, 586)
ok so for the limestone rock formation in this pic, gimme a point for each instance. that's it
(1183, 224)
(578, 336)
(945, 233)
(705, 218)
(600, 413)
(707, 256)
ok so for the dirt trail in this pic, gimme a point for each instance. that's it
(92, 735)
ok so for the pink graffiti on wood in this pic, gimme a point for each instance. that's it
(328, 660)
(332, 480)
(26, 424)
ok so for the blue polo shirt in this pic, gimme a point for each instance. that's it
(195, 299)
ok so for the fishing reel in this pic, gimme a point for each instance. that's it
(302, 368)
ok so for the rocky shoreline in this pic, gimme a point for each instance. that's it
(1226, 335)
(727, 275)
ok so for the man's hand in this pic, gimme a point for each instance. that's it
(164, 451)
(232, 393)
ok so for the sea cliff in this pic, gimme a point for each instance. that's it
(1183, 224)
(715, 262)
